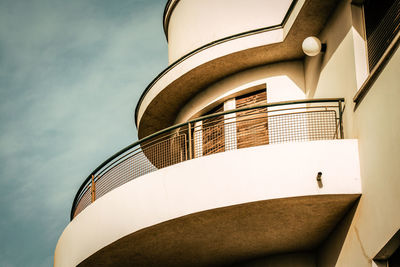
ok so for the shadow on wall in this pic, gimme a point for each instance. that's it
(329, 252)
(344, 19)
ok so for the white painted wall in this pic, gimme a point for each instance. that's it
(284, 81)
(205, 56)
(333, 74)
(283, 89)
(230, 125)
(195, 23)
(229, 178)
(214, 52)
(280, 87)
(375, 123)
(360, 46)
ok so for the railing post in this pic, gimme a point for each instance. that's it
(190, 140)
(341, 120)
(93, 189)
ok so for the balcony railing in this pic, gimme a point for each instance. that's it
(295, 121)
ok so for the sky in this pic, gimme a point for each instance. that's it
(71, 73)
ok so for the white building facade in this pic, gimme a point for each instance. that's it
(252, 153)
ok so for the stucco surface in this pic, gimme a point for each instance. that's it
(229, 235)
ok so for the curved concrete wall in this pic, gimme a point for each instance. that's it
(201, 58)
(195, 23)
(220, 180)
(204, 66)
(283, 81)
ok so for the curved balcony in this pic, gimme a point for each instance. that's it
(273, 123)
(198, 69)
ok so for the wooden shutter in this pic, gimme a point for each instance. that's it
(252, 125)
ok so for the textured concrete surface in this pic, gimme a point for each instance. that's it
(230, 235)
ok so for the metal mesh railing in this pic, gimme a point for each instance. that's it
(296, 121)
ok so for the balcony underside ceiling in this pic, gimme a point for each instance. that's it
(231, 234)
(161, 112)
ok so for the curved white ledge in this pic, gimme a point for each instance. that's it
(220, 180)
(203, 56)
(171, 89)
(193, 23)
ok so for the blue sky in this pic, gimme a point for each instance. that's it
(71, 73)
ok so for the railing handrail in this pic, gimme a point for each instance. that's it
(122, 151)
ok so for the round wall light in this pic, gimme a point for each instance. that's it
(312, 46)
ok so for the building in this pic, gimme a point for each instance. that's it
(252, 153)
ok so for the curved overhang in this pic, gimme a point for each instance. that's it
(252, 183)
(230, 235)
(160, 102)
